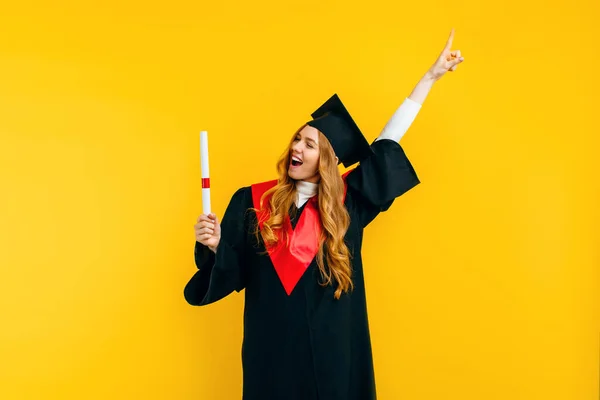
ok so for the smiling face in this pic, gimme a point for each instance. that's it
(304, 156)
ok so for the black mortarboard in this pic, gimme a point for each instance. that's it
(335, 122)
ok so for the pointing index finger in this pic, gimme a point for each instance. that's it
(450, 38)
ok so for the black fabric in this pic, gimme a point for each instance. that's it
(381, 178)
(335, 122)
(308, 345)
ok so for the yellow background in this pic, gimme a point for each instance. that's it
(483, 282)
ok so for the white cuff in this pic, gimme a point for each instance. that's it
(400, 121)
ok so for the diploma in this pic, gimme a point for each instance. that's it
(205, 173)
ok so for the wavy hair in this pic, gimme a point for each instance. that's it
(334, 216)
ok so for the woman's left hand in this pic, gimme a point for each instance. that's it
(447, 61)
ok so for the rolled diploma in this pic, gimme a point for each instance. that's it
(205, 173)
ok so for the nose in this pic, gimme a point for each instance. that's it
(297, 147)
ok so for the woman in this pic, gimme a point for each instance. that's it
(294, 245)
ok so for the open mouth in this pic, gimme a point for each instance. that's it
(296, 162)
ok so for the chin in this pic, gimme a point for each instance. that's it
(294, 176)
(297, 176)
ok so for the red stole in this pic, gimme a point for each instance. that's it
(292, 259)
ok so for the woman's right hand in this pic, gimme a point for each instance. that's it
(208, 231)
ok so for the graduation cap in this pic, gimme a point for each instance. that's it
(335, 122)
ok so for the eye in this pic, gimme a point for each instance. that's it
(296, 139)
(310, 145)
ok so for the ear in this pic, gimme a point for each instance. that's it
(337, 160)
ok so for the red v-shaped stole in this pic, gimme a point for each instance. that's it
(291, 259)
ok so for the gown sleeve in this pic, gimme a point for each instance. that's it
(380, 179)
(220, 274)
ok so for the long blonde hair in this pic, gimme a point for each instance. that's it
(334, 216)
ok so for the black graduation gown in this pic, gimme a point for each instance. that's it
(308, 345)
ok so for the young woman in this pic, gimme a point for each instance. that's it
(294, 245)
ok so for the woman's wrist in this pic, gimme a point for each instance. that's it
(429, 77)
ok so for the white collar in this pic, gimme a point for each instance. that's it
(304, 191)
(307, 188)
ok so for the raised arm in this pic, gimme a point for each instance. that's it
(404, 116)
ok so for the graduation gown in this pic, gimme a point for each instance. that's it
(305, 345)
